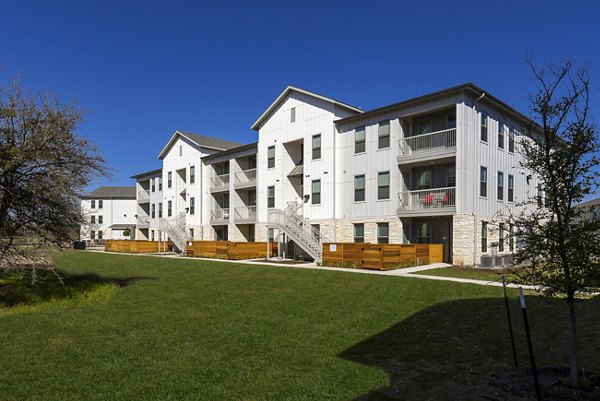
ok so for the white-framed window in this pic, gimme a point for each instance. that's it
(271, 196)
(359, 232)
(192, 205)
(500, 134)
(511, 188)
(153, 211)
(192, 174)
(180, 150)
(383, 133)
(383, 185)
(93, 219)
(271, 156)
(424, 179)
(511, 140)
(500, 185)
(153, 184)
(484, 235)
(359, 188)
(100, 204)
(169, 208)
(359, 140)
(424, 233)
(92, 234)
(425, 126)
(293, 115)
(159, 210)
(99, 234)
(169, 179)
(100, 219)
(316, 192)
(160, 183)
(501, 234)
(484, 127)
(93, 204)
(316, 147)
(383, 233)
(483, 181)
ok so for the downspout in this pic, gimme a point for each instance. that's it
(475, 183)
(334, 189)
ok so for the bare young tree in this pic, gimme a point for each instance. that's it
(560, 247)
(44, 169)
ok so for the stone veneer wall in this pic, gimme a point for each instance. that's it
(345, 229)
(467, 236)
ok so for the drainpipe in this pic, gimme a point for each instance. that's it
(333, 172)
(475, 183)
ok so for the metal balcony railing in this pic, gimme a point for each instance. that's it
(438, 140)
(245, 213)
(143, 196)
(427, 199)
(219, 181)
(245, 177)
(219, 214)
(143, 222)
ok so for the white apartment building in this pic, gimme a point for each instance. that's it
(109, 211)
(441, 168)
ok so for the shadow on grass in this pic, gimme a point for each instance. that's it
(19, 289)
(453, 350)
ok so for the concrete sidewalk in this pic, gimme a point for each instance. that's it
(410, 272)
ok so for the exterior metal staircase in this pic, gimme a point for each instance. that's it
(175, 229)
(302, 233)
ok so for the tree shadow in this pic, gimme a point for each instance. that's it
(453, 350)
(19, 287)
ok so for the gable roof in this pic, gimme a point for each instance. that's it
(200, 140)
(593, 202)
(147, 173)
(106, 192)
(286, 92)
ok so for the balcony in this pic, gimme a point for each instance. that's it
(245, 178)
(143, 196)
(220, 215)
(245, 214)
(219, 183)
(427, 202)
(425, 147)
(143, 222)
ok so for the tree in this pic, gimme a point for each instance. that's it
(44, 169)
(127, 232)
(558, 244)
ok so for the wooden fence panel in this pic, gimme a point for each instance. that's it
(133, 246)
(380, 256)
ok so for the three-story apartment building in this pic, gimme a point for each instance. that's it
(440, 168)
(109, 211)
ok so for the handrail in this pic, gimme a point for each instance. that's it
(425, 142)
(427, 198)
(245, 176)
(219, 180)
(245, 212)
(219, 214)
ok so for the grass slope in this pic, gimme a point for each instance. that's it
(197, 330)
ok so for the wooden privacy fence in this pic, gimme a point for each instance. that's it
(381, 256)
(134, 246)
(229, 250)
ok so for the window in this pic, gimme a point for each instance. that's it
(99, 219)
(511, 140)
(252, 198)
(540, 195)
(153, 213)
(425, 126)
(99, 234)
(316, 232)
(384, 134)
(511, 188)
(501, 237)
(424, 179)
(293, 115)
(359, 140)
(180, 150)
(93, 219)
(153, 184)
(359, 232)
(484, 133)
(483, 181)
(170, 179)
(271, 234)
(359, 188)
(100, 204)
(451, 124)
(500, 185)
(450, 176)
(93, 204)
(160, 183)
(192, 174)
(383, 185)
(316, 192)
(271, 196)
(484, 233)
(500, 134)
(152, 235)
(251, 233)
(511, 237)
(92, 234)
(192, 233)
(169, 208)
(424, 233)
(271, 157)
(383, 233)
(316, 147)
(160, 210)
(192, 205)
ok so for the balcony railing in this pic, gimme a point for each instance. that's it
(245, 177)
(219, 214)
(428, 199)
(143, 196)
(245, 213)
(439, 140)
(219, 181)
(143, 222)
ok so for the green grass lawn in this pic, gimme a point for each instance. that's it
(144, 328)
(461, 272)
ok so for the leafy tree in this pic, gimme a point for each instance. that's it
(44, 169)
(127, 232)
(558, 244)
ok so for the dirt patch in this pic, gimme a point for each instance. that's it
(519, 382)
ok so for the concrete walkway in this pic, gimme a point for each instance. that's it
(409, 272)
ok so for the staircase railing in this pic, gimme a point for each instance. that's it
(175, 229)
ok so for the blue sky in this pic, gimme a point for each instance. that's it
(143, 69)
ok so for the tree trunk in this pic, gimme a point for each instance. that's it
(573, 333)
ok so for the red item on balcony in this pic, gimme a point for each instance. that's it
(428, 200)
